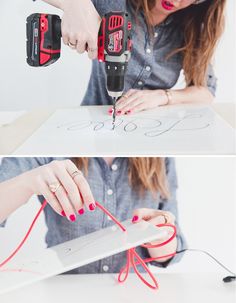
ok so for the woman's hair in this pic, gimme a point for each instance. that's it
(202, 26)
(143, 174)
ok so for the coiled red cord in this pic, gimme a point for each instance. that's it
(132, 255)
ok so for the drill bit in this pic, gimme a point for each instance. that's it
(114, 113)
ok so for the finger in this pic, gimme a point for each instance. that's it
(128, 94)
(72, 43)
(143, 214)
(81, 45)
(138, 107)
(130, 107)
(65, 203)
(82, 184)
(71, 189)
(148, 214)
(65, 38)
(92, 48)
(128, 101)
(50, 197)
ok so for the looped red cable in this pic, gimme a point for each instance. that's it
(132, 255)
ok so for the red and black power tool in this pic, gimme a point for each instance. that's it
(114, 46)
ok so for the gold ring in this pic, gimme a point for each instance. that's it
(54, 186)
(71, 44)
(76, 173)
(167, 218)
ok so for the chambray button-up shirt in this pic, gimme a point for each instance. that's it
(110, 187)
(148, 67)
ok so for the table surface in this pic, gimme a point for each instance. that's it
(14, 134)
(173, 288)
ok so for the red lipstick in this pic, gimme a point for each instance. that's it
(167, 5)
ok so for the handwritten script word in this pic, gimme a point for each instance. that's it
(151, 127)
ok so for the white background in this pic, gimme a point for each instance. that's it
(206, 199)
(64, 83)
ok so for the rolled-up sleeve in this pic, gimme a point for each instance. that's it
(211, 80)
(11, 167)
(171, 206)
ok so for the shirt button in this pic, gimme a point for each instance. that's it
(148, 51)
(114, 167)
(140, 83)
(155, 35)
(105, 268)
(110, 192)
(148, 68)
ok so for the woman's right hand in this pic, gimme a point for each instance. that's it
(80, 26)
(72, 189)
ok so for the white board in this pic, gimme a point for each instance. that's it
(87, 131)
(76, 253)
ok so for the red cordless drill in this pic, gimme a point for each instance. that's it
(114, 46)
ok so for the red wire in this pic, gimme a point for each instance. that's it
(131, 253)
(25, 237)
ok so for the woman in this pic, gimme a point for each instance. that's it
(168, 36)
(141, 188)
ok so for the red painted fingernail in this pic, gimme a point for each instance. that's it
(135, 218)
(72, 218)
(63, 213)
(81, 211)
(92, 206)
(110, 111)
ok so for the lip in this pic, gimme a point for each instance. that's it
(167, 5)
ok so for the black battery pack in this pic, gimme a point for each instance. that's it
(43, 44)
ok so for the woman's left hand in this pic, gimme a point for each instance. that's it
(138, 100)
(157, 217)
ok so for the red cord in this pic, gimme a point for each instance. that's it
(132, 255)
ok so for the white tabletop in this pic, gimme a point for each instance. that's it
(173, 288)
(13, 134)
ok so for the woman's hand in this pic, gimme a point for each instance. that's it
(62, 185)
(80, 26)
(156, 217)
(137, 100)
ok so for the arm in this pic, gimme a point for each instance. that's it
(71, 194)
(138, 100)
(167, 211)
(80, 25)
(14, 193)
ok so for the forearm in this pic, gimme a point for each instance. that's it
(191, 94)
(13, 194)
(167, 249)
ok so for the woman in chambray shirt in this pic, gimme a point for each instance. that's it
(168, 36)
(138, 188)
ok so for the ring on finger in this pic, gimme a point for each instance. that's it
(76, 173)
(167, 218)
(54, 186)
(71, 44)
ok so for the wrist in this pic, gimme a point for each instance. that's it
(24, 181)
